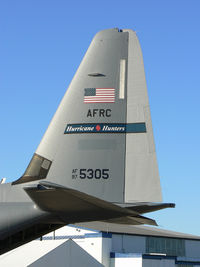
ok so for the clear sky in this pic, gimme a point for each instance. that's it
(41, 46)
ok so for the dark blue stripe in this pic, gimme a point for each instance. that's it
(139, 127)
(158, 257)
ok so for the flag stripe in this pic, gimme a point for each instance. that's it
(99, 96)
(101, 99)
(105, 101)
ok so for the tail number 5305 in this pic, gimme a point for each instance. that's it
(94, 173)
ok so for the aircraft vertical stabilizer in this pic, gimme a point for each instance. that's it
(100, 140)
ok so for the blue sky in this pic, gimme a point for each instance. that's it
(41, 46)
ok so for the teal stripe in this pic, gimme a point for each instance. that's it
(139, 127)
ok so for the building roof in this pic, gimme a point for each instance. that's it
(135, 230)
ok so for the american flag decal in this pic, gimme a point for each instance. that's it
(99, 95)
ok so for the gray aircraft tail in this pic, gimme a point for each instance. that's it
(100, 140)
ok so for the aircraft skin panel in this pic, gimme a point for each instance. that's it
(17, 215)
(9, 193)
(142, 182)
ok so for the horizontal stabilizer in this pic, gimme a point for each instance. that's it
(148, 207)
(136, 220)
(74, 206)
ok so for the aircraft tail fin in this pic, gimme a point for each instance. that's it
(100, 140)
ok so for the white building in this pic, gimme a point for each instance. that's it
(110, 246)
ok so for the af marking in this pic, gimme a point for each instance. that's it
(100, 113)
(74, 174)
